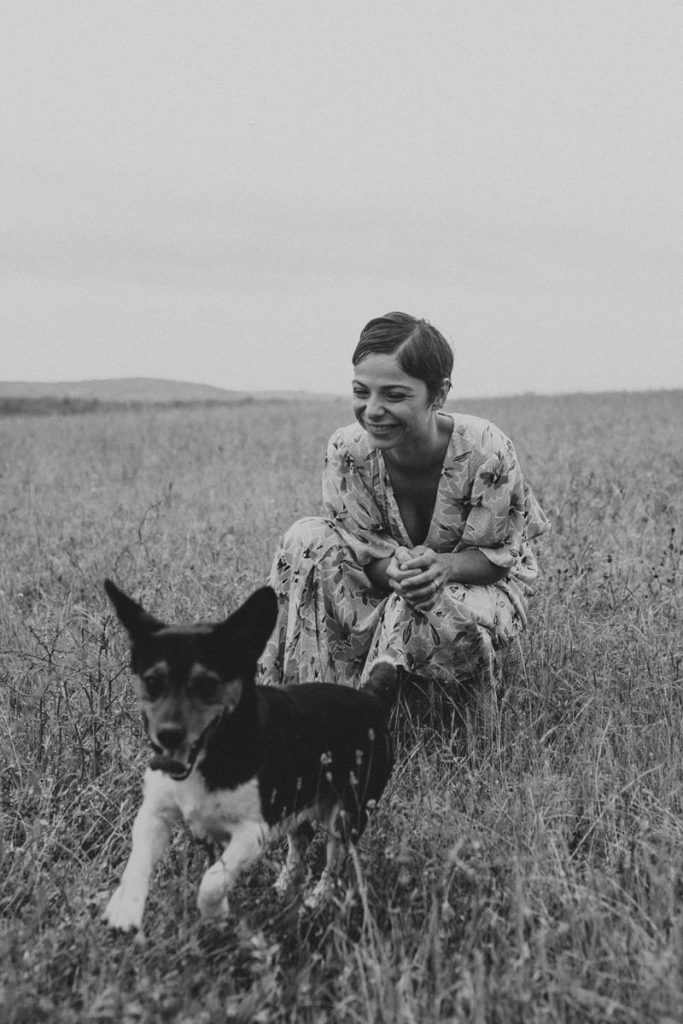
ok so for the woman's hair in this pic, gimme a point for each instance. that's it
(421, 351)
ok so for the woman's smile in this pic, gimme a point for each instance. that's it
(380, 429)
(382, 389)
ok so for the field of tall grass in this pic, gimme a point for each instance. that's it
(527, 871)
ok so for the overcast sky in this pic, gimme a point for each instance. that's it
(225, 192)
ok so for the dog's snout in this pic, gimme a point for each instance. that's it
(170, 736)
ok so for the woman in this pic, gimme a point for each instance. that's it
(423, 554)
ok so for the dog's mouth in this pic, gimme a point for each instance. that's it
(178, 770)
(173, 766)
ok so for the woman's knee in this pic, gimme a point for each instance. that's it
(309, 535)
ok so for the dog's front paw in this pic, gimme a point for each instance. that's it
(124, 912)
(290, 877)
(283, 882)
(321, 893)
(212, 898)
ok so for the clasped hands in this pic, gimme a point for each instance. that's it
(418, 575)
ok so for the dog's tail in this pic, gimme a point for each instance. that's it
(384, 683)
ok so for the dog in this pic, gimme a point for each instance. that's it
(242, 763)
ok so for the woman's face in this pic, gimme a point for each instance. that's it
(392, 406)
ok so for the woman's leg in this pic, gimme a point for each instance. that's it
(328, 612)
(458, 640)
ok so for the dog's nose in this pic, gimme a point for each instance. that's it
(171, 736)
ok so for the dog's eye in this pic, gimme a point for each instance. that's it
(205, 686)
(155, 685)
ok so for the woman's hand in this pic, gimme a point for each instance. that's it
(418, 575)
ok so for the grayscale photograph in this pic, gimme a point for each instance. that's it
(341, 512)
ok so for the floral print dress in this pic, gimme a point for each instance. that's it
(333, 623)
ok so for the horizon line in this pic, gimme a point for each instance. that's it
(308, 392)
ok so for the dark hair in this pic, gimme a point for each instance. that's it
(422, 351)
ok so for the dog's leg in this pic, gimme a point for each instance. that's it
(293, 868)
(151, 832)
(335, 854)
(245, 846)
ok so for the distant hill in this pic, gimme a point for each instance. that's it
(126, 389)
(87, 395)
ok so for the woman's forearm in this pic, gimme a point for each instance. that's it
(471, 567)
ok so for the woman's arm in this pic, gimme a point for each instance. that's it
(350, 500)
(465, 566)
(471, 567)
(419, 575)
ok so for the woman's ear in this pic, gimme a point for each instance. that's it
(442, 394)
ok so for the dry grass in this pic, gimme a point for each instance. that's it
(530, 872)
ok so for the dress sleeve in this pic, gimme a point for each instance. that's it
(352, 505)
(504, 514)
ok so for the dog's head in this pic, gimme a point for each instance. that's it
(189, 676)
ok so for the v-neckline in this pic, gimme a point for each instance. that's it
(392, 496)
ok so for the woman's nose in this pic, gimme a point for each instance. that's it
(374, 406)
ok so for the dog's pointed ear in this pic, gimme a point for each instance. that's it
(250, 626)
(132, 615)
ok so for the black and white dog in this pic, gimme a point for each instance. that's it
(240, 762)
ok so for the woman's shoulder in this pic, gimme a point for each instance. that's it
(478, 434)
(350, 440)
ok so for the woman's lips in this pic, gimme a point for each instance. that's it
(379, 428)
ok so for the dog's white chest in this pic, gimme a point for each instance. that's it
(215, 814)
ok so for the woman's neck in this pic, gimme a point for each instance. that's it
(423, 452)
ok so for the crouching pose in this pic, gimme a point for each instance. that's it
(423, 553)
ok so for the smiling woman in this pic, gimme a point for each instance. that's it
(423, 555)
